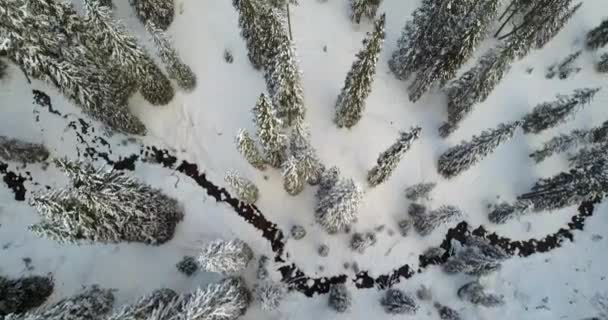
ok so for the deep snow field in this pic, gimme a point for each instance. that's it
(200, 127)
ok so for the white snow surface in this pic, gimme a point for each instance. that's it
(200, 127)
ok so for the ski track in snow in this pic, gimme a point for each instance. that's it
(291, 273)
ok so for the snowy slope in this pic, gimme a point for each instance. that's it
(200, 127)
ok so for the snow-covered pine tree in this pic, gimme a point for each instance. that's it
(225, 300)
(363, 8)
(3, 68)
(337, 208)
(270, 294)
(388, 160)
(602, 64)
(105, 206)
(586, 180)
(158, 12)
(598, 37)
(328, 180)
(474, 293)
(245, 190)
(22, 294)
(116, 44)
(478, 257)
(463, 156)
(502, 212)
(309, 164)
(475, 85)
(396, 301)
(247, 147)
(359, 80)
(147, 307)
(226, 257)
(340, 298)
(564, 68)
(447, 313)
(571, 140)
(420, 191)
(426, 223)
(293, 178)
(176, 68)
(93, 303)
(464, 26)
(270, 132)
(549, 114)
(21, 151)
(283, 82)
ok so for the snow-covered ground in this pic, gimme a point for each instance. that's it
(200, 127)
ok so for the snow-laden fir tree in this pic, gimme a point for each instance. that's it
(310, 167)
(106, 206)
(426, 223)
(284, 83)
(396, 301)
(158, 12)
(598, 37)
(337, 208)
(363, 8)
(22, 294)
(270, 132)
(475, 85)
(474, 293)
(21, 151)
(463, 156)
(420, 191)
(120, 47)
(571, 140)
(176, 68)
(93, 303)
(359, 80)
(248, 148)
(464, 26)
(586, 180)
(549, 114)
(602, 64)
(245, 190)
(478, 257)
(447, 313)
(293, 178)
(226, 257)
(361, 241)
(388, 160)
(340, 298)
(270, 294)
(146, 307)
(564, 69)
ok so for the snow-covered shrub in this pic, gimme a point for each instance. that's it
(602, 64)
(247, 147)
(358, 84)
(426, 223)
(225, 300)
(396, 301)
(298, 232)
(3, 68)
(244, 189)
(474, 293)
(176, 68)
(388, 160)
(447, 313)
(155, 86)
(405, 225)
(105, 206)
(502, 212)
(420, 191)
(20, 151)
(226, 257)
(598, 37)
(23, 294)
(159, 12)
(293, 177)
(424, 293)
(262, 272)
(323, 250)
(188, 265)
(600, 302)
(564, 68)
(416, 210)
(340, 298)
(361, 8)
(477, 258)
(360, 242)
(270, 294)
(92, 303)
(149, 306)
